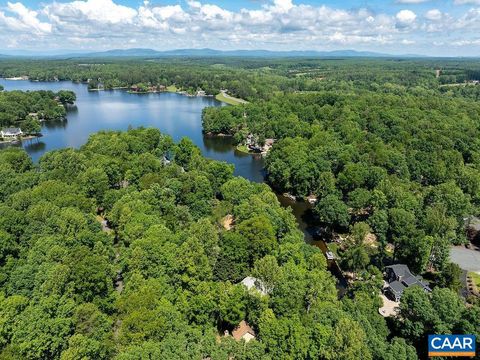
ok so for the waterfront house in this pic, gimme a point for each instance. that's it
(399, 278)
(11, 133)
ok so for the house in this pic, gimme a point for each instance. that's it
(243, 331)
(398, 278)
(253, 283)
(11, 133)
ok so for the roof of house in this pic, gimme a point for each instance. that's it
(253, 283)
(406, 278)
(400, 270)
(241, 330)
(409, 280)
(397, 287)
(12, 130)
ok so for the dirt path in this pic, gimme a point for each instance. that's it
(119, 283)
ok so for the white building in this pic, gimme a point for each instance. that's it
(11, 133)
(253, 283)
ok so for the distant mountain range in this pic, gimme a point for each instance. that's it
(150, 53)
(232, 53)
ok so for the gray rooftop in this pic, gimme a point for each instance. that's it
(400, 270)
(407, 279)
(12, 130)
(397, 287)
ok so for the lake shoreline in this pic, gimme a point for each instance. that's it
(171, 114)
(16, 141)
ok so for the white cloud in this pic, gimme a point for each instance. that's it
(101, 11)
(26, 19)
(434, 15)
(466, 2)
(281, 6)
(276, 25)
(406, 16)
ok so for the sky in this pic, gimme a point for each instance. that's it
(424, 27)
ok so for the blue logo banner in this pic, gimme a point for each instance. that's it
(451, 345)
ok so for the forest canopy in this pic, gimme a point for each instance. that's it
(405, 162)
(135, 246)
(113, 251)
(21, 108)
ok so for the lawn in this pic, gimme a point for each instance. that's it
(229, 100)
(476, 279)
(172, 88)
(243, 148)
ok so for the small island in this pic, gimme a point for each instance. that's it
(21, 113)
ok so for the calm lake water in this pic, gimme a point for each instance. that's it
(173, 114)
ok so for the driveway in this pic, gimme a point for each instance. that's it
(467, 259)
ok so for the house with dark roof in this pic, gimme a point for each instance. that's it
(399, 278)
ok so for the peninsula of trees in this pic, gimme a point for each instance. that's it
(25, 109)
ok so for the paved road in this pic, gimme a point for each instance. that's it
(241, 101)
(467, 259)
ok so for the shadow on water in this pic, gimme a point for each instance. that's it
(219, 144)
(34, 145)
(5, 145)
(55, 124)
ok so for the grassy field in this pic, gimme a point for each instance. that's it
(476, 279)
(243, 148)
(172, 88)
(229, 100)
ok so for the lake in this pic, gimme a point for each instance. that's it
(174, 114)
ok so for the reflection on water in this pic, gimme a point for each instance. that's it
(34, 145)
(219, 144)
(55, 124)
(304, 214)
(173, 114)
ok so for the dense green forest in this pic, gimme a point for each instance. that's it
(24, 109)
(250, 79)
(134, 246)
(403, 162)
(160, 280)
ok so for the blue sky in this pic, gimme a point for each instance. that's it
(427, 27)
